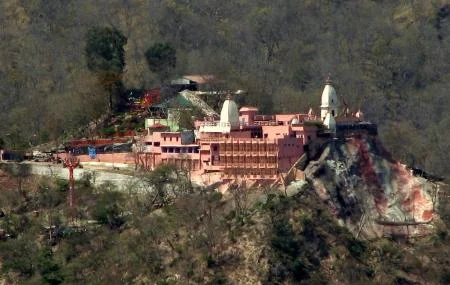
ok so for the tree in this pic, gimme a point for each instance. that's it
(161, 59)
(48, 268)
(108, 209)
(105, 57)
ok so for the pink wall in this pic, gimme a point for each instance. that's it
(289, 151)
(243, 134)
(125, 157)
(272, 132)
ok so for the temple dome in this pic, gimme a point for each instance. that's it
(230, 112)
(330, 103)
(329, 97)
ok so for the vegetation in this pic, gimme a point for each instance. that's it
(161, 59)
(63, 64)
(387, 57)
(180, 234)
(105, 56)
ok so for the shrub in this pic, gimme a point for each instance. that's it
(356, 248)
(18, 255)
(108, 209)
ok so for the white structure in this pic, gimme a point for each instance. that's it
(359, 115)
(229, 119)
(229, 113)
(330, 103)
(330, 122)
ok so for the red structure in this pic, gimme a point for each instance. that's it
(71, 162)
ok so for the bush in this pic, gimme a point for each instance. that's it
(49, 270)
(445, 279)
(356, 248)
(109, 131)
(108, 209)
(18, 255)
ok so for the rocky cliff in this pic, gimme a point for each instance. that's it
(370, 193)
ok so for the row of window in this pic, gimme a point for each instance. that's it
(170, 138)
(243, 159)
(250, 171)
(246, 147)
(180, 149)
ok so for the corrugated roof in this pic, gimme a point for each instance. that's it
(200, 79)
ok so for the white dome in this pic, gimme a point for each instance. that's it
(329, 97)
(229, 113)
(330, 122)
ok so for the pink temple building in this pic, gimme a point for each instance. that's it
(244, 143)
(238, 144)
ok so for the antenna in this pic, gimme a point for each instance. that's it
(71, 162)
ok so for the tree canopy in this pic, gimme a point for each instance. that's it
(389, 58)
(105, 57)
(161, 59)
(105, 50)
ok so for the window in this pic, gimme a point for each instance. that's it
(215, 148)
(157, 144)
(332, 113)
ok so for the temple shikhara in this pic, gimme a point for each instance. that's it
(238, 143)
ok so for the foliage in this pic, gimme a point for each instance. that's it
(108, 208)
(47, 267)
(161, 59)
(385, 57)
(19, 255)
(105, 50)
(105, 57)
(195, 237)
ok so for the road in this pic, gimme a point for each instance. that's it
(122, 181)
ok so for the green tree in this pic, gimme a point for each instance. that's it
(108, 208)
(105, 57)
(19, 255)
(161, 59)
(48, 268)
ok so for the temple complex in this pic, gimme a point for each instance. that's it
(241, 142)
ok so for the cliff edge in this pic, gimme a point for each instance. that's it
(369, 192)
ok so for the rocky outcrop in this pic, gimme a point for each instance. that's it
(371, 194)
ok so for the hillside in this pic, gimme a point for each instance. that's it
(368, 211)
(171, 232)
(388, 57)
(372, 194)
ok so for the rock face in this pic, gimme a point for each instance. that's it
(370, 193)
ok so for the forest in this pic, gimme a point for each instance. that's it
(389, 58)
(185, 234)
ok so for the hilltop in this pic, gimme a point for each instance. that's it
(388, 57)
(178, 233)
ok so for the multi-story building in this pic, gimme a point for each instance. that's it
(243, 143)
